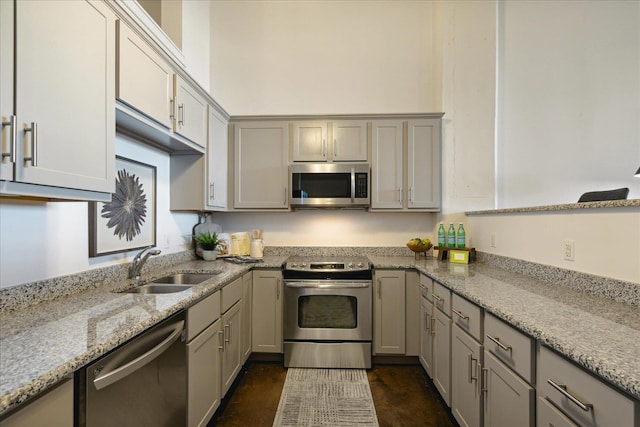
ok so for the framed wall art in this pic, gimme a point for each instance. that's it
(128, 222)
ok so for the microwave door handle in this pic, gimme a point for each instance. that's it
(353, 185)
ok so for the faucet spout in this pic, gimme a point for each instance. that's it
(138, 261)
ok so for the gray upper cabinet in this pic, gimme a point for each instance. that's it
(337, 141)
(406, 165)
(61, 134)
(261, 165)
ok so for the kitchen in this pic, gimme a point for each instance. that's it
(460, 56)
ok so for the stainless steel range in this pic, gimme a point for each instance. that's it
(327, 312)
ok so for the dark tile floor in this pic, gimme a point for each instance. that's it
(402, 394)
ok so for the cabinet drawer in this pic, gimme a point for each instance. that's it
(231, 294)
(514, 348)
(426, 286)
(580, 396)
(202, 314)
(467, 316)
(550, 416)
(442, 298)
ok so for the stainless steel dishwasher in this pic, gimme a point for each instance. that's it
(142, 383)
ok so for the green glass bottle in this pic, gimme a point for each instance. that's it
(461, 237)
(442, 236)
(451, 236)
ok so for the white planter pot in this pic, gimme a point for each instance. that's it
(209, 255)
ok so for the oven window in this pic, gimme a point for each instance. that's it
(328, 311)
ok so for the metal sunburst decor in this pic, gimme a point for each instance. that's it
(128, 207)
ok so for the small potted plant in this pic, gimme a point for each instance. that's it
(208, 244)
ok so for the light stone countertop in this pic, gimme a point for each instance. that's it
(45, 343)
(597, 333)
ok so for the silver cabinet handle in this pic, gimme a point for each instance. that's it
(13, 138)
(227, 335)
(470, 360)
(220, 340)
(278, 289)
(324, 148)
(433, 325)
(497, 341)
(172, 109)
(460, 314)
(285, 196)
(562, 388)
(119, 373)
(427, 322)
(181, 114)
(34, 144)
(437, 297)
(212, 191)
(400, 195)
(410, 195)
(335, 149)
(379, 288)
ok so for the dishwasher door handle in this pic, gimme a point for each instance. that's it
(119, 373)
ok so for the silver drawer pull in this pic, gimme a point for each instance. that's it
(437, 297)
(565, 392)
(13, 138)
(497, 341)
(460, 314)
(34, 144)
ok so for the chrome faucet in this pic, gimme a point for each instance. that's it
(139, 260)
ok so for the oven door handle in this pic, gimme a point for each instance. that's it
(329, 285)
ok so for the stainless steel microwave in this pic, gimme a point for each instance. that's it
(329, 185)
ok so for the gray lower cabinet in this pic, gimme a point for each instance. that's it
(204, 348)
(389, 312)
(466, 389)
(426, 335)
(203, 385)
(267, 311)
(508, 400)
(550, 416)
(53, 408)
(442, 354)
(575, 396)
(232, 354)
(247, 282)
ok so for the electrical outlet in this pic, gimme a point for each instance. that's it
(493, 240)
(569, 250)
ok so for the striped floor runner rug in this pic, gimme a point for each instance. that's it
(326, 397)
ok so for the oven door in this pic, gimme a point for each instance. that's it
(327, 310)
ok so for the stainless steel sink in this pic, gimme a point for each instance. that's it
(157, 288)
(185, 278)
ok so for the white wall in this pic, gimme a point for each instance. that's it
(331, 228)
(48, 239)
(196, 40)
(322, 57)
(569, 100)
(607, 241)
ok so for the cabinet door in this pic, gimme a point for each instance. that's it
(203, 367)
(386, 165)
(349, 141)
(426, 335)
(261, 165)
(145, 79)
(218, 158)
(509, 401)
(310, 142)
(191, 112)
(247, 281)
(389, 312)
(65, 62)
(442, 354)
(550, 416)
(466, 392)
(267, 311)
(6, 91)
(53, 408)
(231, 356)
(423, 164)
